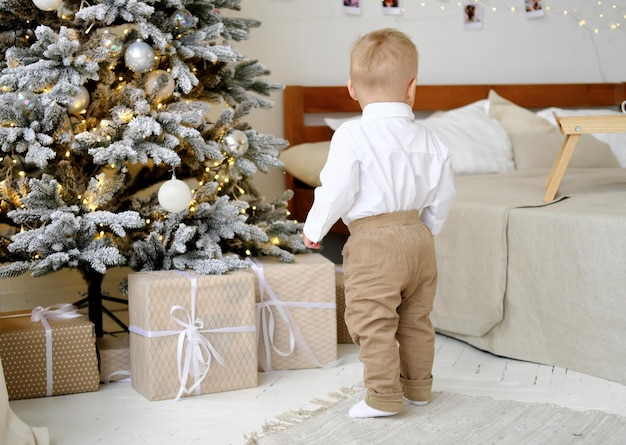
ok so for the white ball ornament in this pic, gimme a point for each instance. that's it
(236, 143)
(79, 102)
(151, 84)
(139, 57)
(174, 195)
(47, 5)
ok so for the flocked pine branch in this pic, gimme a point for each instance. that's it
(102, 103)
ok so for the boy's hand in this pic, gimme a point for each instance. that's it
(310, 244)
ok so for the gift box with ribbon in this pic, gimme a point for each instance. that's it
(48, 352)
(114, 355)
(191, 334)
(296, 312)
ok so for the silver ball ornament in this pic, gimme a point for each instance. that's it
(174, 195)
(79, 102)
(152, 82)
(236, 143)
(47, 5)
(139, 57)
(183, 19)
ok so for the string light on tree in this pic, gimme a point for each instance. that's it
(174, 195)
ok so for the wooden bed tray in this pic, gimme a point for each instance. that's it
(302, 101)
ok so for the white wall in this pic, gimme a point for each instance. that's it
(307, 42)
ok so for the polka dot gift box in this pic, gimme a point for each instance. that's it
(49, 356)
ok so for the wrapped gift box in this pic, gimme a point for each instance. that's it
(300, 297)
(343, 335)
(178, 318)
(40, 362)
(114, 353)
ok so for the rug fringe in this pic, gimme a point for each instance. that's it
(294, 417)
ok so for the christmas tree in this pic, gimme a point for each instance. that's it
(124, 142)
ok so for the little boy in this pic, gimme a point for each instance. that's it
(391, 183)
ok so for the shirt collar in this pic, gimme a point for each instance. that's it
(387, 109)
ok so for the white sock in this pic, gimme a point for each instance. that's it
(363, 410)
(415, 402)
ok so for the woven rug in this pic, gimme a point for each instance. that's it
(448, 419)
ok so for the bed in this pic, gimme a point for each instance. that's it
(519, 277)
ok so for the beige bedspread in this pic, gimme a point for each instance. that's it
(473, 249)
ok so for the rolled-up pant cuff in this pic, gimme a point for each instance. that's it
(417, 390)
(391, 403)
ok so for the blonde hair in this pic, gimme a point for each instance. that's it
(383, 59)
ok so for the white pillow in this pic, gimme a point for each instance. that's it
(477, 142)
(516, 119)
(305, 161)
(617, 141)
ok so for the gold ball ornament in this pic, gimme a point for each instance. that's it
(236, 143)
(152, 82)
(79, 102)
(47, 5)
(174, 195)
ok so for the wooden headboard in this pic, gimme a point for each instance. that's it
(300, 101)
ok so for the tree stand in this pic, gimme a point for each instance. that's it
(94, 300)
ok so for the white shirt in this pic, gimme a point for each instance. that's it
(382, 163)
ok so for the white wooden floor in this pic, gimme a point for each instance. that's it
(117, 415)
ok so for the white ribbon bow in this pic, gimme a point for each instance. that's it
(193, 351)
(55, 312)
(39, 314)
(266, 320)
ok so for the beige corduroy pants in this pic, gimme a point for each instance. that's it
(390, 273)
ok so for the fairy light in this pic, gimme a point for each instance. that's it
(597, 16)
